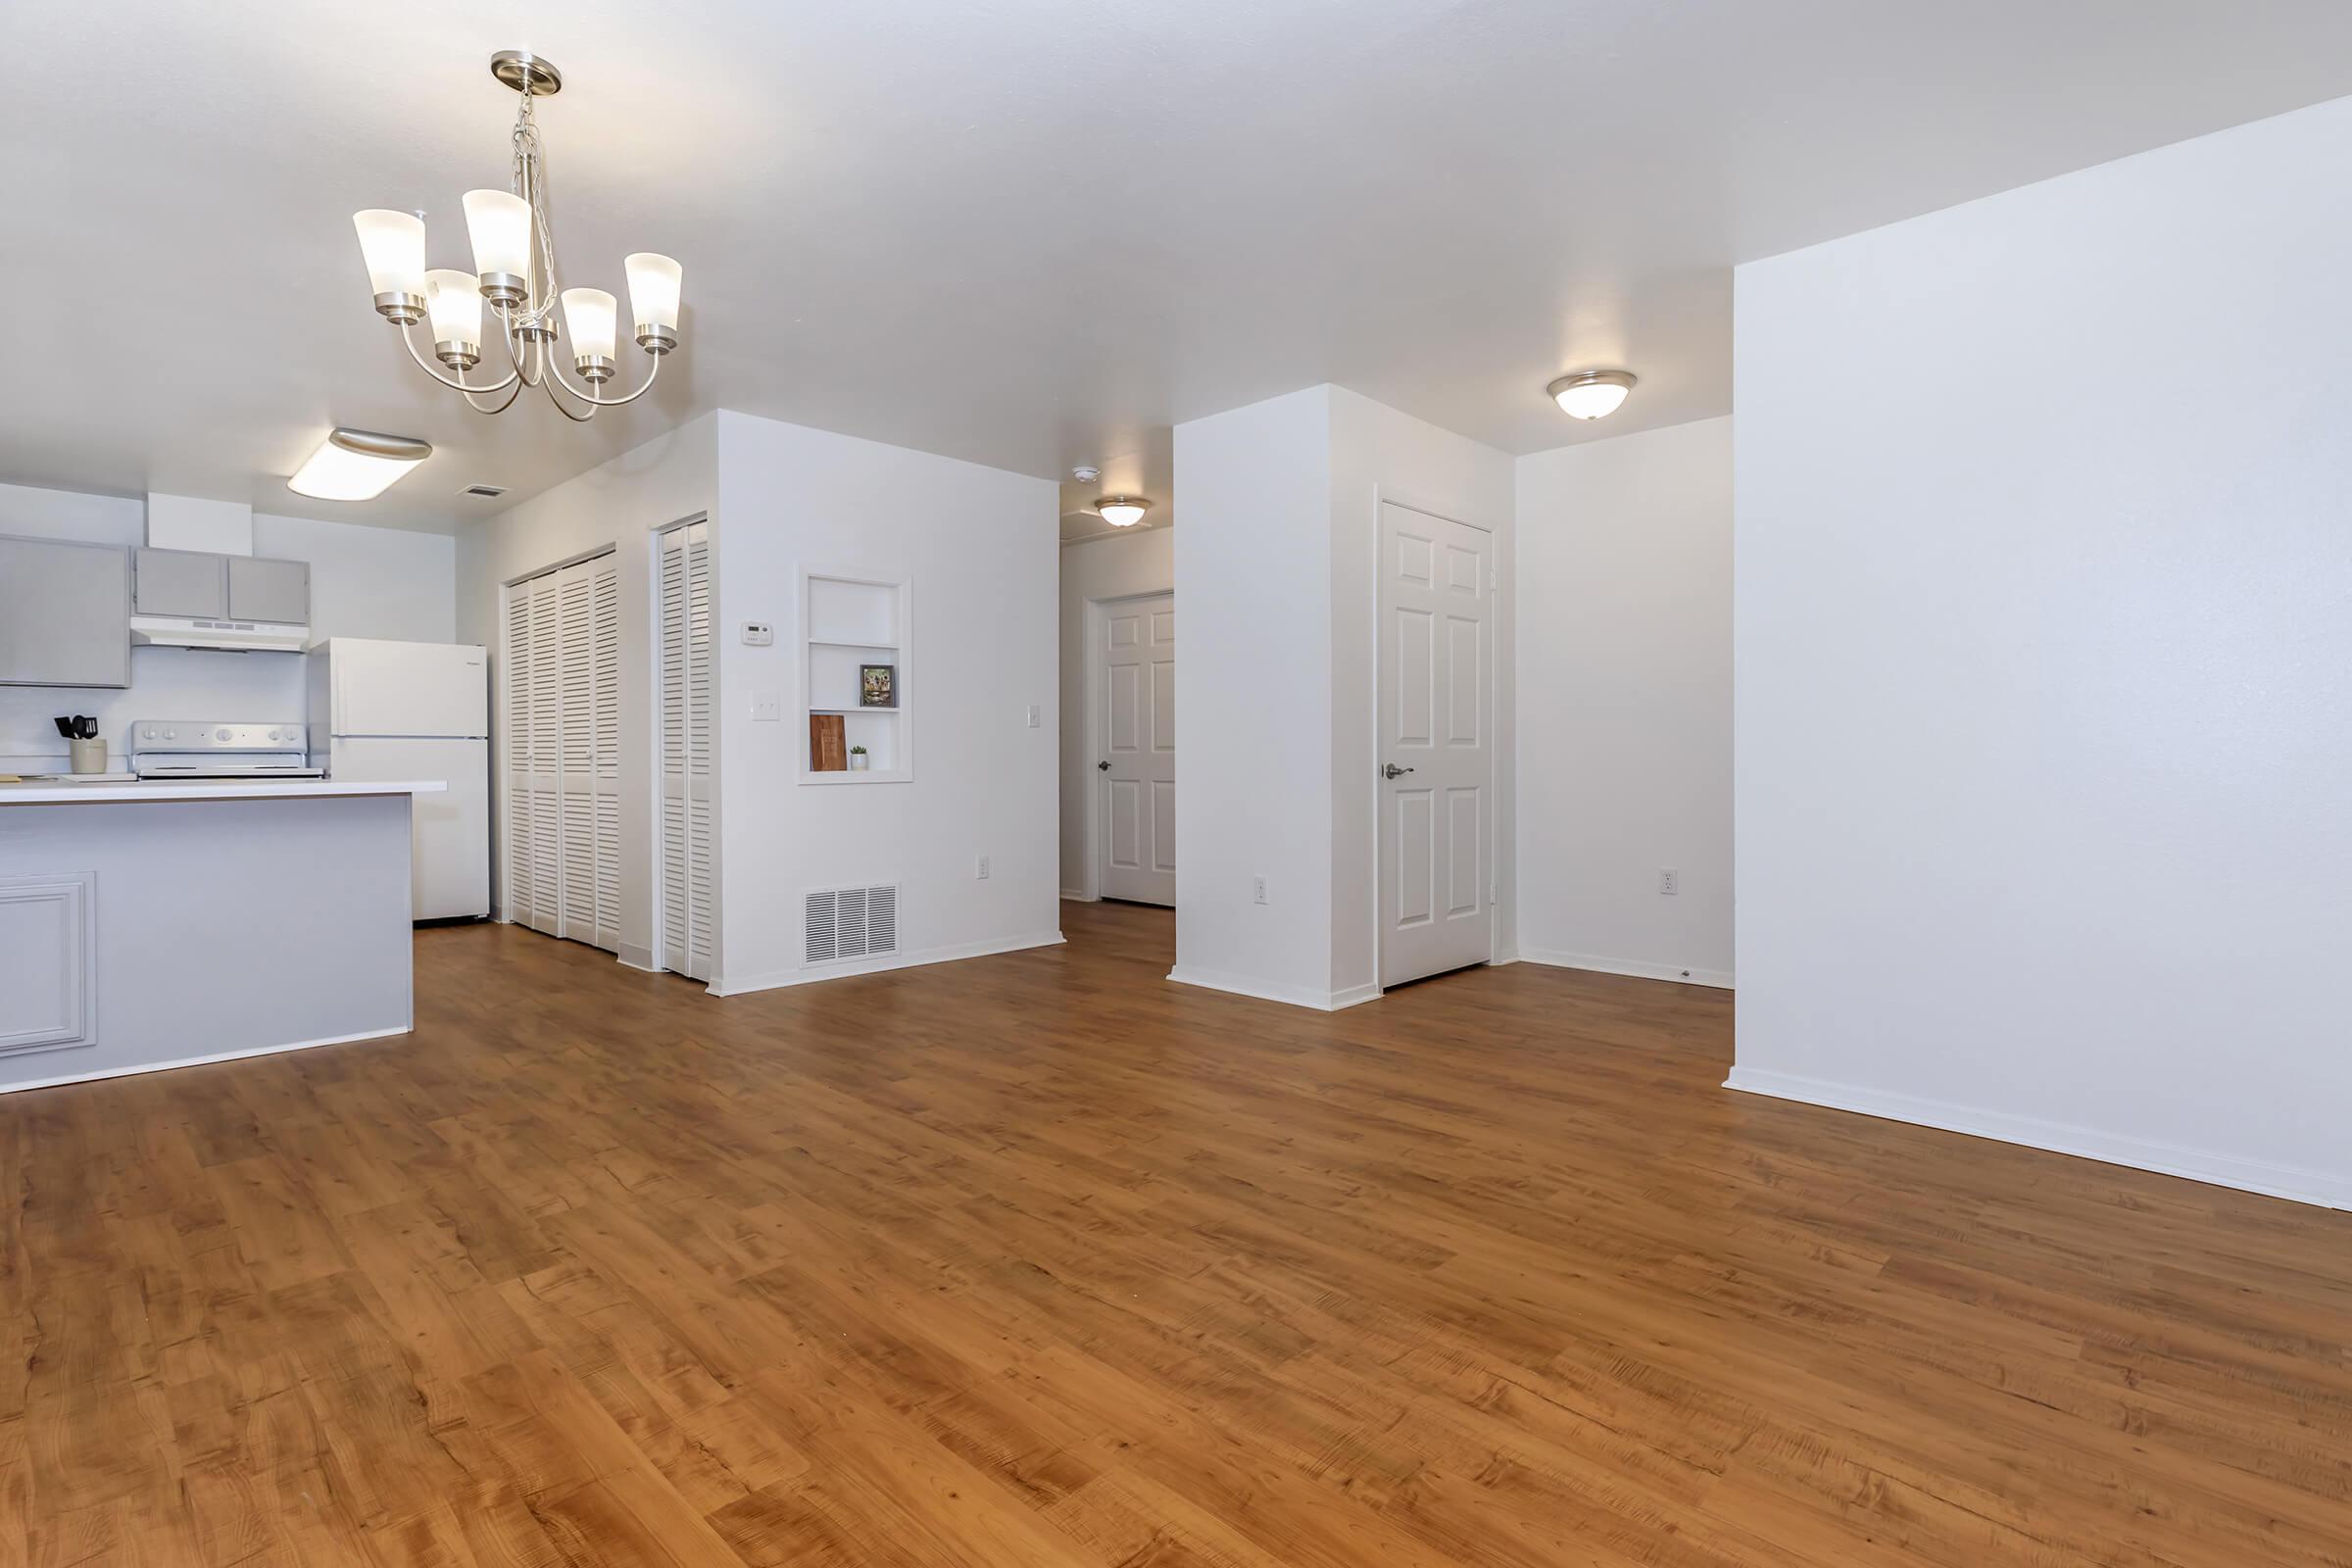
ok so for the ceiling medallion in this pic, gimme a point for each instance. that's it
(514, 270)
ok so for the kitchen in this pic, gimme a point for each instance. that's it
(232, 871)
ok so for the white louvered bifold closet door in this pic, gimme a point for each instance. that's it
(604, 746)
(545, 698)
(563, 753)
(521, 832)
(687, 679)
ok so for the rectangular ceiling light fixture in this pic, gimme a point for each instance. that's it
(357, 465)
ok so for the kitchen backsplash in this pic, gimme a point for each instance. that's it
(165, 683)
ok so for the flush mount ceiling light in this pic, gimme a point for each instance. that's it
(357, 465)
(1122, 511)
(514, 270)
(1590, 394)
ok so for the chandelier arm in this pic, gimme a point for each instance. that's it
(554, 372)
(561, 407)
(513, 391)
(459, 385)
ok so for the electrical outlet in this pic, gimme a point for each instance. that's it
(766, 707)
(1037, 716)
(981, 869)
(1258, 889)
(1670, 881)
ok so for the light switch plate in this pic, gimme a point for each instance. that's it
(766, 707)
(1037, 716)
(758, 634)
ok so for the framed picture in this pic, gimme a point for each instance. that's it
(877, 685)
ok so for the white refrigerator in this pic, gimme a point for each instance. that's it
(415, 711)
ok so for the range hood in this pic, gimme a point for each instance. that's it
(231, 636)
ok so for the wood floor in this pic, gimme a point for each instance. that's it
(1037, 1260)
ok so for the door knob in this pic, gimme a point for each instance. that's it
(1102, 768)
(1393, 771)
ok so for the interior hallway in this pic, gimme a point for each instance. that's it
(1036, 1260)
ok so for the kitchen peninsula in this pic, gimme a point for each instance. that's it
(166, 923)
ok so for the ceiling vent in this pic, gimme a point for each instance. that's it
(486, 492)
(850, 924)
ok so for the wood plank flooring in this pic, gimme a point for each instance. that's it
(1039, 1260)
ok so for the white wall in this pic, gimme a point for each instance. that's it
(370, 582)
(2044, 664)
(1276, 680)
(620, 505)
(1625, 714)
(1253, 699)
(365, 582)
(1110, 566)
(978, 546)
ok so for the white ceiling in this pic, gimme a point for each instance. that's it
(1027, 233)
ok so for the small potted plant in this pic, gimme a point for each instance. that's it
(857, 758)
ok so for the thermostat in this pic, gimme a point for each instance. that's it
(758, 634)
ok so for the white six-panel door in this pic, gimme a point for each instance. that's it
(1435, 744)
(1138, 765)
(563, 751)
(687, 688)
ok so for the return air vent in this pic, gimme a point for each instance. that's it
(486, 492)
(851, 923)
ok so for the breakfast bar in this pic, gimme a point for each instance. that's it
(160, 924)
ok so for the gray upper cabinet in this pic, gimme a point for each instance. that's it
(65, 614)
(269, 590)
(182, 582)
(209, 587)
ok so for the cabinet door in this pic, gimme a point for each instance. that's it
(181, 582)
(65, 614)
(270, 590)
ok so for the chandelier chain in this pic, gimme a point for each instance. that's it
(527, 179)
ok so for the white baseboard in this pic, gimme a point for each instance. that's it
(1079, 896)
(817, 973)
(1721, 979)
(202, 1062)
(633, 956)
(1293, 995)
(2328, 1191)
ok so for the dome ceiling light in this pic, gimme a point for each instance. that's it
(1122, 511)
(514, 271)
(1591, 394)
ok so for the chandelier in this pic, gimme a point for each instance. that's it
(514, 271)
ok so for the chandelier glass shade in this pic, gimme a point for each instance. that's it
(515, 273)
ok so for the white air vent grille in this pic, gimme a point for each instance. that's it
(851, 923)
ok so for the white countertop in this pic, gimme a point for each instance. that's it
(208, 789)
